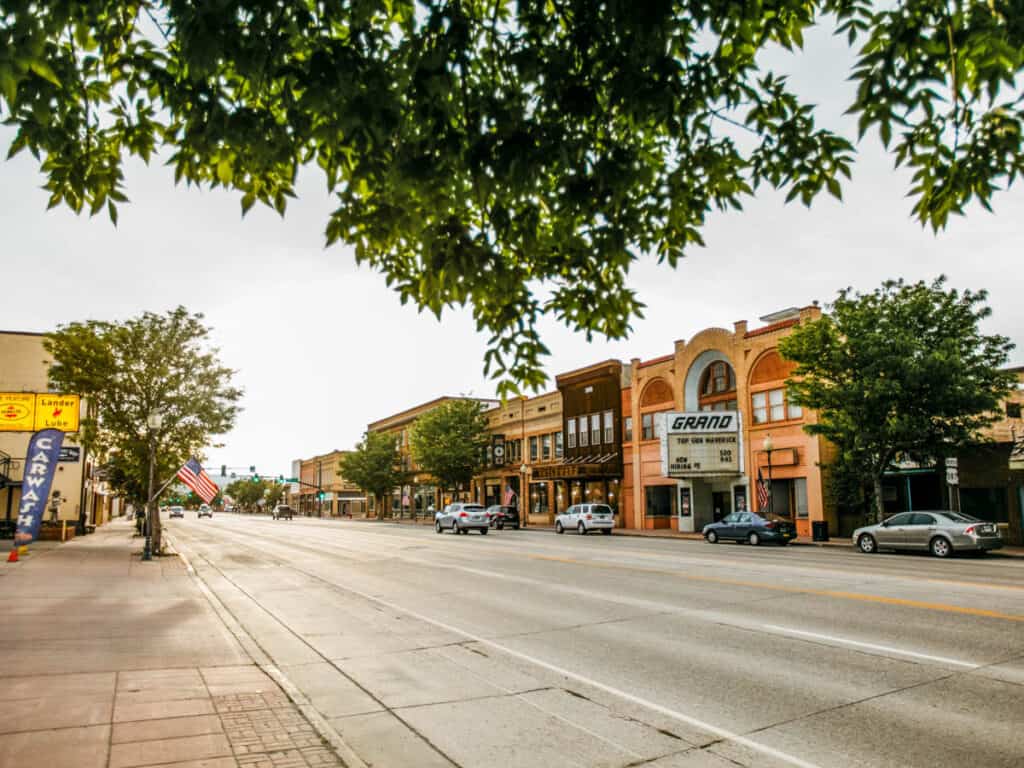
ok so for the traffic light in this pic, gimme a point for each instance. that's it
(255, 478)
(280, 478)
(252, 469)
(223, 470)
(321, 495)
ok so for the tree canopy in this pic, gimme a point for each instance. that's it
(516, 157)
(903, 371)
(450, 441)
(129, 370)
(374, 466)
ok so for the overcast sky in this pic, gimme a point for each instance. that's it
(322, 347)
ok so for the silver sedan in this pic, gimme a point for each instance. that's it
(940, 533)
(461, 517)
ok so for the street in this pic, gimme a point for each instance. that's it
(524, 648)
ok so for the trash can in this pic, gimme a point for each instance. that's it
(819, 530)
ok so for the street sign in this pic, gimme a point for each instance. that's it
(70, 454)
(952, 476)
(700, 443)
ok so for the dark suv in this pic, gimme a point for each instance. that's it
(501, 515)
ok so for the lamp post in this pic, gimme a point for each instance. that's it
(154, 421)
(524, 494)
(769, 446)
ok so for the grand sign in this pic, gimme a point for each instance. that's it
(700, 444)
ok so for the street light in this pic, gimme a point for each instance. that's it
(154, 421)
(524, 494)
(769, 446)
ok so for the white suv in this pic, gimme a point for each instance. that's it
(586, 518)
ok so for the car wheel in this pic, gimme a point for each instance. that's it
(455, 527)
(437, 526)
(558, 527)
(484, 531)
(606, 531)
(581, 529)
(754, 539)
(866, 543)
(712, 537)
(940, 547)
(501, 526)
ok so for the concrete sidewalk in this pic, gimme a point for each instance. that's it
(115, 663)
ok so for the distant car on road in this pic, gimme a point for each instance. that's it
(178, 512)
(205, 511)
(938, 532)
(751, 528)
(462, 517)
(586, 518)
(501, 515)
(282, 511)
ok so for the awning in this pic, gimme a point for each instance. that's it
(589, 465)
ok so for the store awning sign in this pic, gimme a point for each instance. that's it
(40, 464)
(33, 411)
(17, 411)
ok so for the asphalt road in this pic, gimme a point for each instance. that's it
(530, 649)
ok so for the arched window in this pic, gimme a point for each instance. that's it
(718, 387)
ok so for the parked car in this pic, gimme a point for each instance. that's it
(282, 511)
(586, 518)
(178, 512)
(501, 515)
(205, 510)
(938, 532)
(750, 527)
(462, 517)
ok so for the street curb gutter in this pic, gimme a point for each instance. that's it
(260, 658)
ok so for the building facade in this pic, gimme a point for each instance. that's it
(591, 467)
(525, 435)
(79, 495)
(722, 371)
(420, 495)
(323, 490)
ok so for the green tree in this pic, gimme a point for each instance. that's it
(247, 493)
(273, 495)
(374, 466)
(903, 371)
(450, 442)
(129, 371)
(480, 151)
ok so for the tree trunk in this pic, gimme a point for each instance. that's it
(879, 504)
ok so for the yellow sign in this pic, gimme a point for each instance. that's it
(57, 412)
(17, 411)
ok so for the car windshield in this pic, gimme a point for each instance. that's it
(472, 508)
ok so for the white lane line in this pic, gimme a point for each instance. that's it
(871, 646)
(721, 733)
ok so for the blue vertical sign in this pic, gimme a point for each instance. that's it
(40, 464)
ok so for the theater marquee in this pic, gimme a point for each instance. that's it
(700, 444)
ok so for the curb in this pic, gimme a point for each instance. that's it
(323, 729)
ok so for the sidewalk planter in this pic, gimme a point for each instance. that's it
(51, 532)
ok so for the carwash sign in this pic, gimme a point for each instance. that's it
(700, 444)
(40, 464)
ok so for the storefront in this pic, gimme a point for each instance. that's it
(562, 485)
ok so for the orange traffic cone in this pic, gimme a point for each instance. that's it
(13, 557)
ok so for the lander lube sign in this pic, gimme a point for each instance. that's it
(700, 443)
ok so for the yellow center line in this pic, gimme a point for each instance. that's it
(945, 607)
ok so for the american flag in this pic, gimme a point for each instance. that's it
(509, 495)
(194, 476)
(762, 492)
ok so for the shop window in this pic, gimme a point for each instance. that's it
(570, 428)
(987, 504)
(647, 426)
(772, 406)
(584, 431)
(545, 447)
(800, 496)
(627, 430)
(533, 449)
(539, 498)
(559, 452)
(659, 500)
(595, 429)
(609, 427)
(1013, 410)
